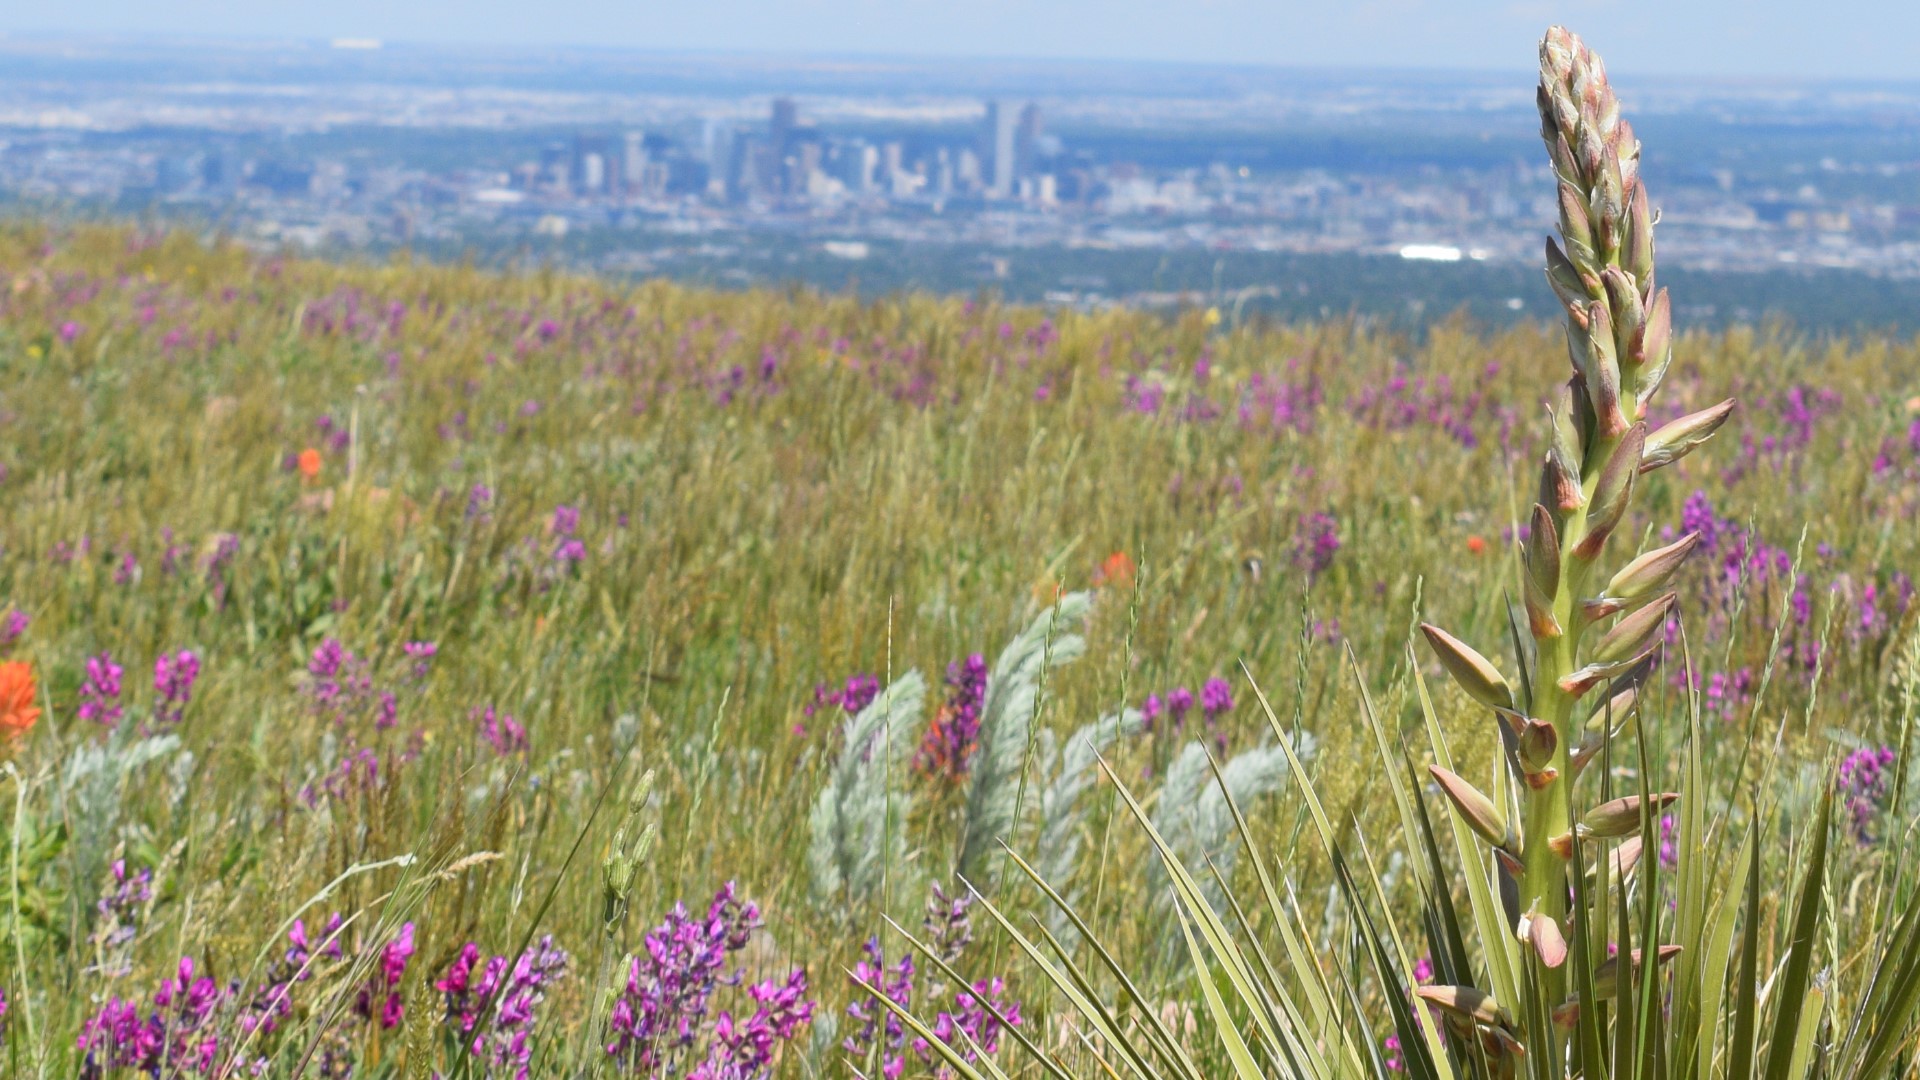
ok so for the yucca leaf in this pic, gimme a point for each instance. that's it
(1791, 987)
(1088, 1006)
(1244, 1066)
(1489, 917)
(1746, 1001)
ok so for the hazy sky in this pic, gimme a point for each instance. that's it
(1866, 38)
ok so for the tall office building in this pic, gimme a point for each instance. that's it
(1026, 143)
(996, 151)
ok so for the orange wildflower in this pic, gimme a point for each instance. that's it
(310, 463)
(17, 711)
(1476, 545)
(1117, 570)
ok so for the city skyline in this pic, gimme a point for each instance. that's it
(1855, 39)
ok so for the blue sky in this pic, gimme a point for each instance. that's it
(1792, 38)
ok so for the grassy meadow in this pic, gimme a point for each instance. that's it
(522, 609)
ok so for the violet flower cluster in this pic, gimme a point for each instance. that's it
(173, 678)
(494, 1008)
(857, 694)
(100, 693)
(272, 1000)
(119, 912)
(383, 987)
(1216, 701)
(947, 748)
(499, 730)
(664, 1023)
(178, 1035)
(1865, 783)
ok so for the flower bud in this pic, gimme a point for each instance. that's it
(1574, 224)
(642, 792)
(1606, 977)
(1543, 933)
(1603, 370)
(1568, 282)
(1612, 492)
(1636, 246)
(1538, 741)
(1652, 352)
(1629, 315)
(1632, 636)
(1466, 1003)
(1543, 550)
(1673, 441)
(1475, 673)
(1474, 808)
(1621, 817)
(1651, 571)
(1627, 856)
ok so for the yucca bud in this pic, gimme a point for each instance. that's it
(1606, 977)
(617, 870)
(1543, 550)
(1624, 674)
(1543, 933)
(1466, 1003)
(1503, 1051)
(1603, 370)
(1474, 807)
(1475, 673)
(1569, 283)
(1576, 228)
(1538, 741)
(1652, 352)
(1613, 710)
(1627, 856)
(1636, 245)
(1541, 578)
(1631, 637)
(1601, 607)
(1673, 441)
(1560, 482)
(1650, 572)
(1621, 817)
(1629, 316)
(1612, 492)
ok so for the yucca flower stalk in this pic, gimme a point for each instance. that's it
(1588, 632)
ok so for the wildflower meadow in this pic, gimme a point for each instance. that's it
(408, 671)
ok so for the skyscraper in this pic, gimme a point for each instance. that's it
(996, 151)
(1026, 143)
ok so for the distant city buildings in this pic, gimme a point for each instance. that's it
(1180, 174)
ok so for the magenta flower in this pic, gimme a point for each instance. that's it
(173, 679)
(100, 693)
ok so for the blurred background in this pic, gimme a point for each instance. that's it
(1298, 159)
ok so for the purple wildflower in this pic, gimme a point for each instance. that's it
(12, 629)
(173, 679)
(100, 693)
(512, 994)
(502, 732)
(947, 749)
(661, 1019)
(1864, 782)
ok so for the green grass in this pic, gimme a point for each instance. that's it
(915, 481)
